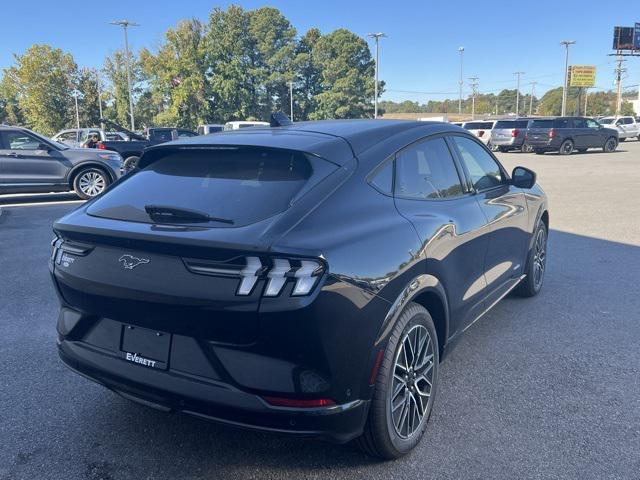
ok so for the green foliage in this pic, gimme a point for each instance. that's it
(347, 81)
(38, 89)
(88, 107)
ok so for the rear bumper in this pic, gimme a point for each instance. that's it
(216, 401)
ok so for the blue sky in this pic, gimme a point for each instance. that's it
(419, 59)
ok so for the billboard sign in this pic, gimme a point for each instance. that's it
(582, 76)
(623, 38)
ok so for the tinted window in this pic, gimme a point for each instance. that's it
(20, 141)
(243, 185)
(579, 123)
(483, 169)
(383, 178)
(161, 135)
(522, 123)
(541, 124)
(478, 125)
(426, 171)
(66, 136)
(185, 134)
(506, 124)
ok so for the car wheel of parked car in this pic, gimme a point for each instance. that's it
(130, 163)
(405, 387)
(610, 145)
(536, 264)
(566, 148)
(90, 182)
(526, 148)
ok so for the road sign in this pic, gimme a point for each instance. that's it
(582, 76)
(623, 38)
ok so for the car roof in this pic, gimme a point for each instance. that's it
(335, 140)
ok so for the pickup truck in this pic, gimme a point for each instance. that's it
(130, 151)
(627, 126)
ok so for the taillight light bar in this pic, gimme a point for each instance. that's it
(277, 272)
(299, 402)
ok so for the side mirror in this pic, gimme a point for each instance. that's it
(45, 147)
(522, 177)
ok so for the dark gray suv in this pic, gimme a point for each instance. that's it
(31, 163)
(568, 134)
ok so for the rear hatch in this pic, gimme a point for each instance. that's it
(508, 131)
(181, 245)
(538, 131)
(481, 130)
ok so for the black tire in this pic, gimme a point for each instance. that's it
(537, 151)
(90, 182)
(566, 147)
(610, 145)
(526, 148)
(622, 139)
(503, 149)
(532, 283)
(130, 163)
(380, 437)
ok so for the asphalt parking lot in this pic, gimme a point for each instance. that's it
(547, 387)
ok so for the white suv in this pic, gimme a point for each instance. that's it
(627, 126)
(481, 129)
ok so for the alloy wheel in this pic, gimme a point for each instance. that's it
(92, 183)
(412, 381)
(567, 147)
(611, 145)
(539, 258)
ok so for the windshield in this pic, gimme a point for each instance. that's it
(240, 186)
(606, 121)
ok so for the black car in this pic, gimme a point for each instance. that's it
(305, 279)
(568, 134)
(31, 163)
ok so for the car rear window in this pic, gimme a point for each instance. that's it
(541, 124)
(505, 124)
(478, 125)
(233, 186)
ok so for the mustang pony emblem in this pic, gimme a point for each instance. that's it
(130, 262)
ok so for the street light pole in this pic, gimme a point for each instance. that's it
(565, 87)
(460, 82)
(125, 24)
(376, 36)
(518, 92)
(291, 98)
(533, 90)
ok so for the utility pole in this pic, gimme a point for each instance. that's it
(460, 82)
(125, 24)
(586, 97)
(518, 74)
(565, 87)
(376, 36)
(291, 98)
(619, 71)
(99, 98)
(533, 91)
(75, 96)
(474, 88)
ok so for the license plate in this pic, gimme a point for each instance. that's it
(147, 348)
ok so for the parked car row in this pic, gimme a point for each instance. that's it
(564, 135)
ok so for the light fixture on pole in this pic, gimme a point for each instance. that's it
(99, 98)
(125, 24)
(518, 74)
(567, 44)
(376, 36)
(460, 82)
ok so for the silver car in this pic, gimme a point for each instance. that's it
(510, 135)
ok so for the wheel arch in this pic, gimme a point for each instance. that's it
(71, 176)
(428, 291)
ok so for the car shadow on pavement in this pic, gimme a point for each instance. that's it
(524, 383)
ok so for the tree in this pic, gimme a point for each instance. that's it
(272, 59)
(231, 76)
(9, 108)
(308, 76)
(40, 85)
(176, 77)
(88, 103)
(347, 76)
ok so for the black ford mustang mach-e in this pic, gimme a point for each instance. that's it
(304, 279)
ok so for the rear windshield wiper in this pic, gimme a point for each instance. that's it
(181, 214)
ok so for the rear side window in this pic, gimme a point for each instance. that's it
(506, 124)
(478, 125)
(522, 123)
(383, 178)
(541, 124)
(562, 123)
(232, 186)
(426, 171)
(483, 170)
